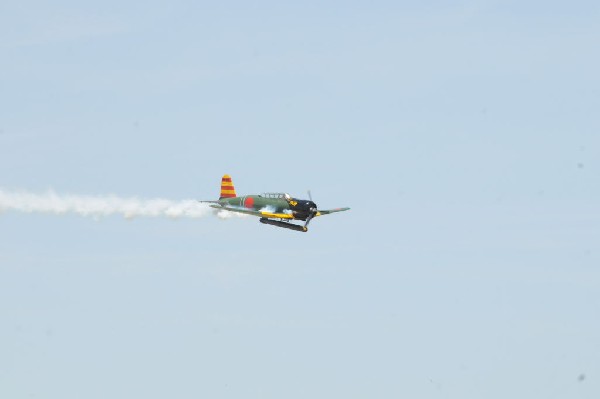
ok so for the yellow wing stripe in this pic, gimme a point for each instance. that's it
(276, 215)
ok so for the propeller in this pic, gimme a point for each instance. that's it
(312, 211)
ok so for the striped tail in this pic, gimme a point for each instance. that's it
(227, 189)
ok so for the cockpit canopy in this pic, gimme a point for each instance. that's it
(284, 196)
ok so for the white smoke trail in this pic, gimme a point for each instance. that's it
(98, 206)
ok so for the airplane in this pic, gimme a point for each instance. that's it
(276, 209)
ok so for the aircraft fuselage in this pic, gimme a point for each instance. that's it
(300, 209)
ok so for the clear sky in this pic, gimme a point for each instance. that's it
(464, 135)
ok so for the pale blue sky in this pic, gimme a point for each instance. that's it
(464, 135)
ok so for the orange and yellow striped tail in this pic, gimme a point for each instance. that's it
(227, 189)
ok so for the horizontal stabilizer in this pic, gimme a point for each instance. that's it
(210, 202)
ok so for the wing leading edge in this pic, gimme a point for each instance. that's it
(327, 212)
(272, 215)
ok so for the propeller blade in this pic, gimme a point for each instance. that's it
(311, 215)
(312, 212)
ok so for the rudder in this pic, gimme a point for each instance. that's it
(227, 189)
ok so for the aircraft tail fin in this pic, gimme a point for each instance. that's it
(227, 189)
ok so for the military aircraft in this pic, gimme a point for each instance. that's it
(276, 209)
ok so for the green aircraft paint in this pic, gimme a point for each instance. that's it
(276, 209)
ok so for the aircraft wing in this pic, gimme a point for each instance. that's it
(262, 214)
(327, 212)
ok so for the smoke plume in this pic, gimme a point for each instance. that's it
(98, 206)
